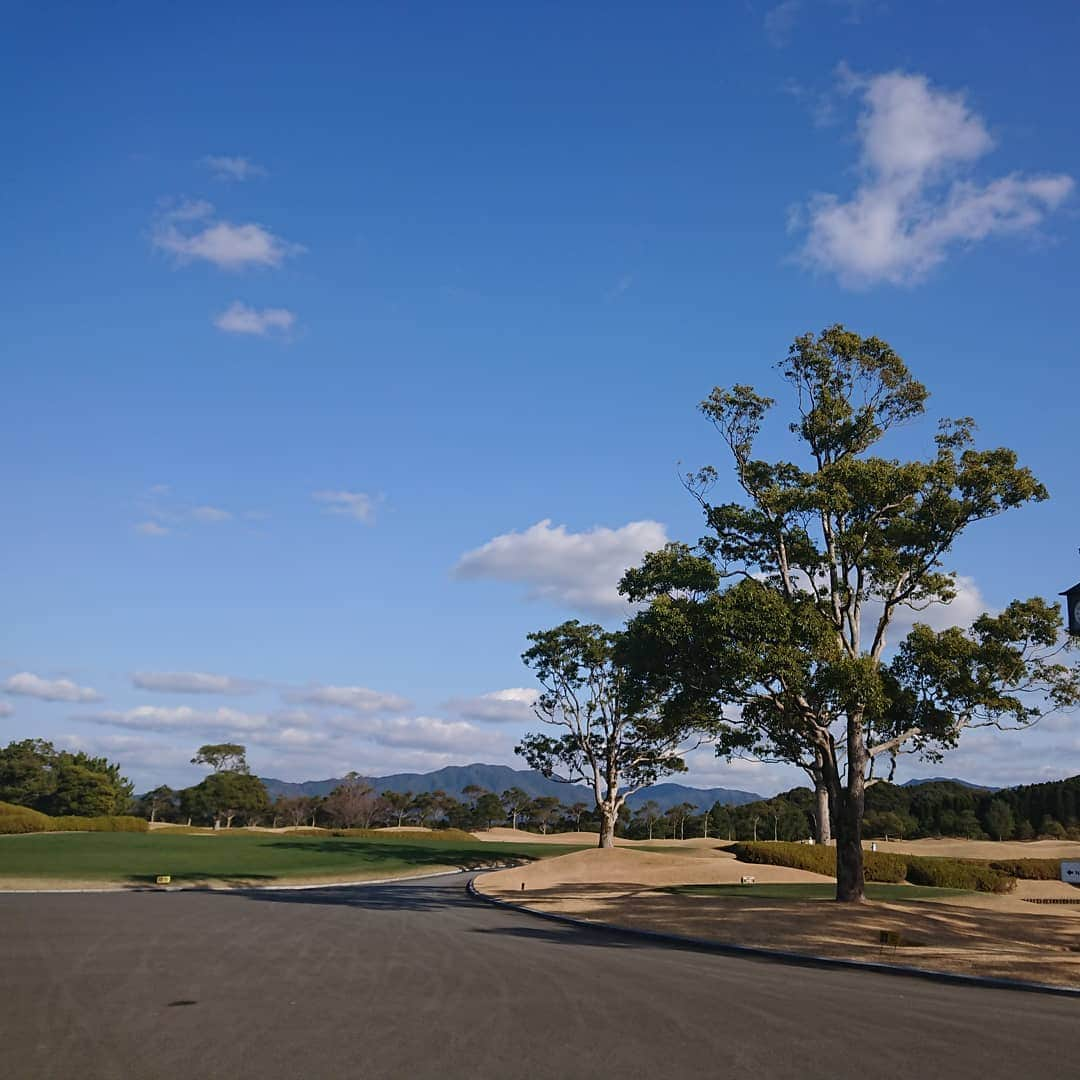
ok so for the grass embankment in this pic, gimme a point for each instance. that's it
(237, 857)
(812, 890)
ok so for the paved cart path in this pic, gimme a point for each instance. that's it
(420, 980)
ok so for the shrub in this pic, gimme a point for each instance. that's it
(918, 870)
(957, 874)
(21, 819)
(1029, 869)
(111, 823)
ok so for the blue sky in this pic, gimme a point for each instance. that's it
(343, 346)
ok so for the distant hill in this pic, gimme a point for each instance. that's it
(948, 780)
(455, 778)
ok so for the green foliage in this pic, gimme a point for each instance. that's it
(820, 859)
(772, 630)
(971, 874)
(21, 819)
(957, 874)
(226, 795)
(35, 774)
(1029, 869)
(222, 757)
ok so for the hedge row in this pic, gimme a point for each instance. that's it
(820, 859)
(21, 819)
(957, 874)
(879, 866)
(1029, 869)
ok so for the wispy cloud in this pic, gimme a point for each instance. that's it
(163, 513)
(189, 232)
(357, 699)
(191, 682)
(232, 168)
(578, 570)
(239, 318)
(514, 705)
(353, 504)
(914, 203)
(26, 684)
(779, 22)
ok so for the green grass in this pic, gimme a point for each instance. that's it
(136, 858)
(814, 890)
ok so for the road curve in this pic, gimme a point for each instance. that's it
(420, 980)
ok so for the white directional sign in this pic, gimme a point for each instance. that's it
(1070, 872)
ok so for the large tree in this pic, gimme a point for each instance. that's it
(34, 773)
(609, 732)
(780, 621)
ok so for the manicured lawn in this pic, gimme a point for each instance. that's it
(134, 858)
(814, 890)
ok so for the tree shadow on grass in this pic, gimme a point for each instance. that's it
(411, 854)
(366, 897)
(201, 879)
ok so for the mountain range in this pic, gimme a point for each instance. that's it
(498, 778)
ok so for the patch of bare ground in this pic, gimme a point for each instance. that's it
(998, 936)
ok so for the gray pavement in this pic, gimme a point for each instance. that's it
(419, 980)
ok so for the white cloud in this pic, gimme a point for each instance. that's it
(967, 606)
(232, 168)
(498, 707)
(163, 718)
(6, 709)
(190, 682)
(578, 570)
(358, 699)
(26, 684)
(151, 528)
(238, 318)
(188, 232)
(432, 733)
(354, 504)
(209, 513)
(913, 204)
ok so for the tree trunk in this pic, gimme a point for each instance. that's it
(849, 853)
(607, 826)
(823, 820)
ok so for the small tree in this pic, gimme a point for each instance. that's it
(514, 801)
(222, 757)
(648, 813)
(999, 820)
(612, 736)
(352, 803)
(161, 801)
(398, 803)
(489, 809)
(542, 810)
(574, 812)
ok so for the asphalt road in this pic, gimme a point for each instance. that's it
(419, 980)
